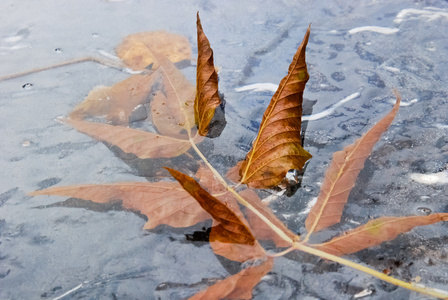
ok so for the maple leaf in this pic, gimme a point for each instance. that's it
(277, 147)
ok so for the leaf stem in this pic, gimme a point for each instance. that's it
(115, 65)
(411, 286)
(278, 254)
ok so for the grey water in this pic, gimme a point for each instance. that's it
(357, 54)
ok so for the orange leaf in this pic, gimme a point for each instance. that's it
(142, 144)
(116, 102)
(162, 202)
(277, 148)
(238, 286)
(260, 229)
(230, 224)
(207, 97)
(224, 244)
(135, 54)
(375, 232)
(342, 174)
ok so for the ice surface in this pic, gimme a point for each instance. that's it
(357, 53)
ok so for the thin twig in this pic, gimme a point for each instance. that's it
(107, 63)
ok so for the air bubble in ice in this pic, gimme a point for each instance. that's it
(424, 211)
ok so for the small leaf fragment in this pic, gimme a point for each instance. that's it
(162, 202)
(230, 224)
(277, 147)
(142, 144)
(342, 174)
(238, 286)
(375, 232)
(135, 54)
(116, 102)
(207, 97)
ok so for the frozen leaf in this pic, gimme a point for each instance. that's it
(117, 102)
(172, 107)
(342, 174)
(230, 225)
(221, 243)
(238, 286)
(135, 54)
(277, 147)
(207, 97)
(224, 244)
(142, 144)
(375, 232)
(162, 202)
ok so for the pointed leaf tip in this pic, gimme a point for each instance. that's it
(277, 147)
(207, 97)
(231, 228)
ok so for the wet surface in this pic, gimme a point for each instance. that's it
(67, 251)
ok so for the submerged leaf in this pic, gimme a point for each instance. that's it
(116, 102)
(260, 229)
(135, 54)
(162, 202)
(230, 225)
(207, 97)
(342, 174)
(142, 144)
(173, 108)
(375, 232)
(238, 286)
(277, 148)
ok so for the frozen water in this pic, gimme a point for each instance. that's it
(358, 52)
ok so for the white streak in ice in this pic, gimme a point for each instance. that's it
(69, 292)
(428, 14)
(258, 87)
(377, 29)
(330, 110)
(434, 178)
